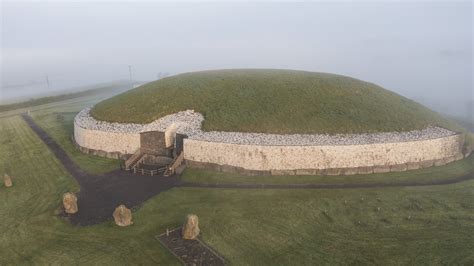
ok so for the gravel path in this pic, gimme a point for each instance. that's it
(189, 123)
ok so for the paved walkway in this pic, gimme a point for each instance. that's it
(100, 194)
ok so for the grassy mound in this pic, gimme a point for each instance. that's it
(272, 101)
(411, 225)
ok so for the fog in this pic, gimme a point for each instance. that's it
(420, 50)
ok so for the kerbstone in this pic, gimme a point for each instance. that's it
(381, 169)
(414, 166)
(307, 172)
(398, 168)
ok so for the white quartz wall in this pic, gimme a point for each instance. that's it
(264, 157)
(263, 152)
(124, 143)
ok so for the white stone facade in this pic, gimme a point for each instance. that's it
(265, 158)
(124, 143)
(266, 152)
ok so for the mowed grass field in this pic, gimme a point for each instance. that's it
(420, 225)
(60, 126)
(272, 101)
(32, 233)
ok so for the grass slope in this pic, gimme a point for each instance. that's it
(272, 101)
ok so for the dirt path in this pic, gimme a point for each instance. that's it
(100, 194)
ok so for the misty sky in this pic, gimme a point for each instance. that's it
(420, 50)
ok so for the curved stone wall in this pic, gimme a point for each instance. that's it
(108, 142)
(277, 154)
(341, 159)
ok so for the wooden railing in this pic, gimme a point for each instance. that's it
(142, 171)
(135, 159)
(174, 164)
(133, 163)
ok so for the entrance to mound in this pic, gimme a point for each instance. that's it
(154, 143)
(158, 151)
(168, 143)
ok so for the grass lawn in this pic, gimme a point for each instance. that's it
(31, 231)
(272, 101)
(60, 126)
(449, 171)
(420, 225)
(57, 118)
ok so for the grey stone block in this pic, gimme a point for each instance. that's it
(398, 168)
(283, 172)
(307, 172)
(333, 171)
(450, 159)
(364, 170)
(459, 156)
(180, 169)
(414, 166)
(349, 171)
(440, 162)
(381, 169)
(426, 164)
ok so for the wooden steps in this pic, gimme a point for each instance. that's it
(132, 164)
(174, 164)
(134, 160)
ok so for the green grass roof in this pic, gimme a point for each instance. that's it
(272, 101)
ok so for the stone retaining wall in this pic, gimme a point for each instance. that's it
(277, 154)
(108, 142)
(328, 160)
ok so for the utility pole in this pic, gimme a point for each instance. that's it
(470, 111)
(130, 72)
(47, 81)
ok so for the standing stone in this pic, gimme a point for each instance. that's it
(170, 135)
(70, 203)
(7, 181)
(123, 216)
(191, 227)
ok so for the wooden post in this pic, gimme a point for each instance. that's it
(143, 171)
